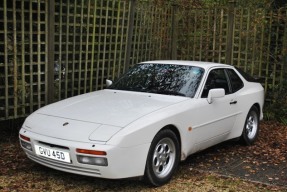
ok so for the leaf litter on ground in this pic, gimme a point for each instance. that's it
(229, 166)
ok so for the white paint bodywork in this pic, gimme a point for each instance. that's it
(124, 123)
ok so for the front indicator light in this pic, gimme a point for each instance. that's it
(100, 161)
(25, 138)
(91, 152)
(26, 145)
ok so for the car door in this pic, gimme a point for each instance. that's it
(215, 120)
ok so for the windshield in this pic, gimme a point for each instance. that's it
(166, 79)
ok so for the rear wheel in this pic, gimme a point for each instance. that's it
(251, 126)
(163, 158)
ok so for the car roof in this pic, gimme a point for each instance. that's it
(203, 64)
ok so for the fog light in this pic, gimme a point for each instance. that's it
(26, 145)
(101, 161)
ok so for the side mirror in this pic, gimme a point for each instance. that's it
(108, 82)
(215, 93)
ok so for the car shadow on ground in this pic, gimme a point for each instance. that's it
(233, 159)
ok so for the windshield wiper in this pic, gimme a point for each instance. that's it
(168, 92)
(138, 88)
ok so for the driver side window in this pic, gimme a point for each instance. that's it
(216, 79)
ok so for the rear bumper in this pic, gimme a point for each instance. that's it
(122, 162)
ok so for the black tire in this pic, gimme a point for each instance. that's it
(163, 158)
(251, 127)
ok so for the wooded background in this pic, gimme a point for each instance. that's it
(51, 50)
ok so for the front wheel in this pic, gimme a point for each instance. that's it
(163, 158)
(251, 127)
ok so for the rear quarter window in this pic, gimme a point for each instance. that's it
(235, 80)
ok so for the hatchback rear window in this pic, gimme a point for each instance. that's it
(246, 76)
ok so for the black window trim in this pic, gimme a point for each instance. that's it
(228, 81)
(235, 69)
(227, 78)
(231, 88)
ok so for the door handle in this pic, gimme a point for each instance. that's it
(233, 102)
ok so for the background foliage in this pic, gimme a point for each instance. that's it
(94, 40)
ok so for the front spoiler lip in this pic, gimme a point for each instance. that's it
(66, 167)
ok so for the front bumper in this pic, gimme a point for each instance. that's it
(122, 162)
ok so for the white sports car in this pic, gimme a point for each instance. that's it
(143, 124)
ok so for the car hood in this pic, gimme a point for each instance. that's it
(117, 108)
(97, 115)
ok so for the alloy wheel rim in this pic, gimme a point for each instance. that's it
(252, 125)
(163, 157)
